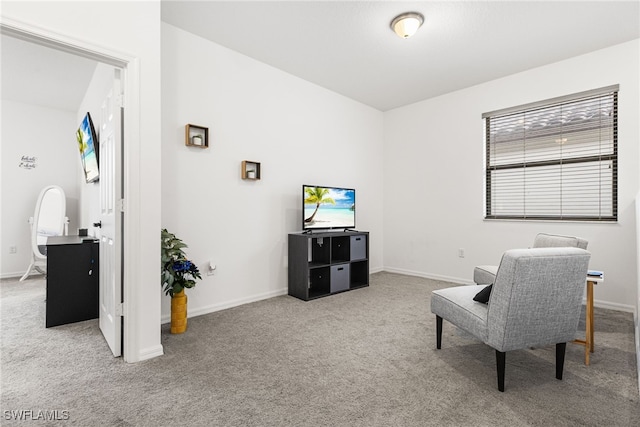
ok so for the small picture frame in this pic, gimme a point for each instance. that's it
(196, 136)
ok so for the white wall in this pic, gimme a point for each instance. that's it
(48, 135)
(301, 134)
(437, 206)
(132, 30)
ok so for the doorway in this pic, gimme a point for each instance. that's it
(123, 64)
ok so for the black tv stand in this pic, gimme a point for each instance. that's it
(327, 262)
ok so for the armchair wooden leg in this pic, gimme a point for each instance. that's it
(438, 332)
(560, 350)
(500, 364)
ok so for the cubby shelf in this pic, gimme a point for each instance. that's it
(250, 170)
(325, 263)
(196, 136)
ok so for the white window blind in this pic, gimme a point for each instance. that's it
(554, 159)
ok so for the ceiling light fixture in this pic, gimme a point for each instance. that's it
(407, 24)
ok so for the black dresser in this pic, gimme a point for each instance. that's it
(72, 279)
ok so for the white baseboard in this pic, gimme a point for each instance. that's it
(614, 306)
(18, 274)
(240, 301)
(149, 353)
(229, 304)
(460, 281)
(451, 279)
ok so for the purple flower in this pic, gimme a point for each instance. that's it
(183, 266)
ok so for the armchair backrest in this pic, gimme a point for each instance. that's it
(537, 297)
(543, 240)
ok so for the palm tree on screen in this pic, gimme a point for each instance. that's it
(318, 196)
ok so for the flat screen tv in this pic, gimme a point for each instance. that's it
(88, 145)
(328, 207)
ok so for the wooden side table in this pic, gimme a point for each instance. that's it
(588, 341)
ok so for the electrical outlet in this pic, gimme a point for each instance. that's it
(461, 253)
(212, 268)
(13, 249)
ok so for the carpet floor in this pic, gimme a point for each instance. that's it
(360, 358)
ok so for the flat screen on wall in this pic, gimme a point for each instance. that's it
(328, 207)
(87, 143)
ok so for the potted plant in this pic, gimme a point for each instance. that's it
(178, 273)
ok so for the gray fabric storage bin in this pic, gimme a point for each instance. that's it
(358, 247)
(339, 277)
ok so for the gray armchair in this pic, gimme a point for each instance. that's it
(486, 274)
(535, 301)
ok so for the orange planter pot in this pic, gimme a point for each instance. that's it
(179, 313)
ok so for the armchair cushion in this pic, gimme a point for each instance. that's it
(485, 274)
(456, 305)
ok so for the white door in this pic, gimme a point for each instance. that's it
(111, 207)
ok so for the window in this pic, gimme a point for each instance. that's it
(555, 159)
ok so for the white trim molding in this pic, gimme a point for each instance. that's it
(461, 281)
(456, 280)
(229, 304)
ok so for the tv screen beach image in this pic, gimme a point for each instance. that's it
(327, 207)
(86, 144)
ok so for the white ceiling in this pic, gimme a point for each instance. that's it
(348, 47)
